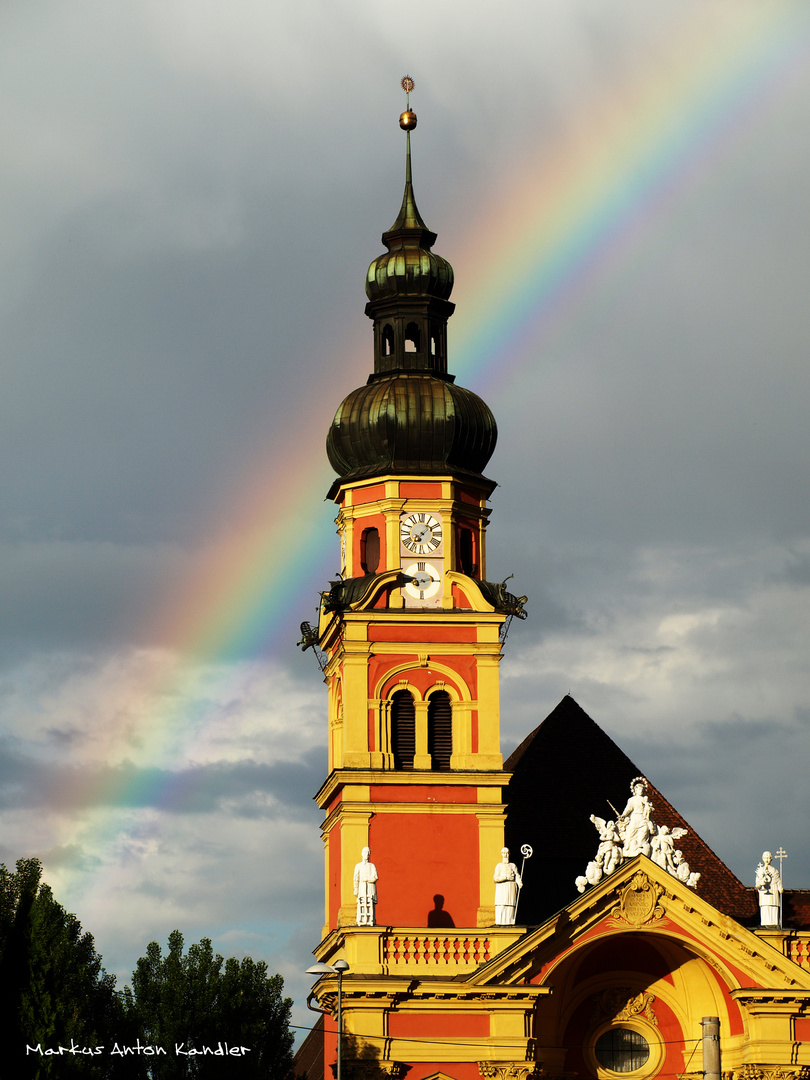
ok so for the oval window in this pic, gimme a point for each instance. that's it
(622, 1050)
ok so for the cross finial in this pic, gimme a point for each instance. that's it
(781, 854)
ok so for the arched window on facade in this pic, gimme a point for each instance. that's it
(403, 729)
(413, 341)
(370, 550)
(388, 340)
(466, 557)
(440, 729)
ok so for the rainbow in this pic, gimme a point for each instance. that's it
(587, 210)
(584, 211)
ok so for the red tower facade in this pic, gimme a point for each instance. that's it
(412, 628)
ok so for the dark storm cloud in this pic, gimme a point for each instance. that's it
(244, 789)
(78, 593)
(764, 759)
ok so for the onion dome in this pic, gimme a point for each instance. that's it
(409, 266)
(411, 423)
(410, 417)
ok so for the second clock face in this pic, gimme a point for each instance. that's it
(424, 580)
(420, 533)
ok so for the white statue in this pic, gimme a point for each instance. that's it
(662, 844)
(663, 848)
(507, 884)
(681, 869)
(609, 852)
(769, 887)
(365, 889)
(635, 824)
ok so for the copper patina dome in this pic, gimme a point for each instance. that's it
(410, 417)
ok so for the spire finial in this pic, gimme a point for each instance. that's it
(407, 121)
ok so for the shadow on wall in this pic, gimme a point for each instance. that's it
(362, 1061)
(438, 917)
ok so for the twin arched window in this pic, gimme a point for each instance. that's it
(403, 729)
(439, 729)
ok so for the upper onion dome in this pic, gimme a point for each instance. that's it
(409, 267)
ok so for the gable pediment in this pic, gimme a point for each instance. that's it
(641, 898)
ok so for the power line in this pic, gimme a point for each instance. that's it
(483, 1040)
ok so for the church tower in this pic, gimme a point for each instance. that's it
(412, 636)
(412, 629)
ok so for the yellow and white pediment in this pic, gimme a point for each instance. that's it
(642, 898)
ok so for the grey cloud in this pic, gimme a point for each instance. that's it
(239, 789)
(797, 571)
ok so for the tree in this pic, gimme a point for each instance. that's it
(53, 989)
(192, 1002)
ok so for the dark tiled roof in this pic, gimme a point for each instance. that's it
(308, 1060)
(796, 909)
(566, 770)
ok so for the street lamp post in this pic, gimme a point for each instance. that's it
(337, 968)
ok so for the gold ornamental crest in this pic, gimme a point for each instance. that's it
(638, 901)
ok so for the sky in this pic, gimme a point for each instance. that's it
(191, 195)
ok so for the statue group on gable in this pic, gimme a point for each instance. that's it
(635, 832)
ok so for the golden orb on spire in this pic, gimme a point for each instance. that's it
(407, 120)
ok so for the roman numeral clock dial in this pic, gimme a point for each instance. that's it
(421, 534)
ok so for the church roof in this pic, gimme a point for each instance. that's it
(567, 769)
(308, 1060)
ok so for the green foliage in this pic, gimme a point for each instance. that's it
(54, 993)
(193, 1001)
(53, 989)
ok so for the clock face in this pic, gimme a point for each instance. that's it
(424, 580)
(421, 534)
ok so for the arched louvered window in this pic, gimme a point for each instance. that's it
(403, 729)
(440, 729)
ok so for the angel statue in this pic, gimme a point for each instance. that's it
(662, 845)
(682, 871)
(609, 852)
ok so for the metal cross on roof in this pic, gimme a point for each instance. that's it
(781, 854)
